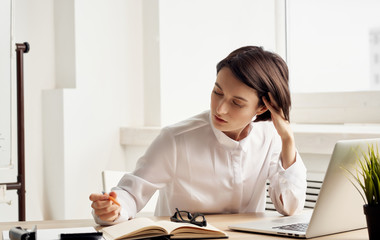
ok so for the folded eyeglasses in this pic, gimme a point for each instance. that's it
(187, 217)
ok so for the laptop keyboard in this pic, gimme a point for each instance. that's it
(299, 227)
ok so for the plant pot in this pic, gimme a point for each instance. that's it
(372, 213)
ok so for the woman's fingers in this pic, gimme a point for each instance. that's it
(269, 105)
(101, 204)
(97, 196)
(272, 101)
(104, 207)
(105, 210)
(108, 214)
(113, 194)
(272, 105)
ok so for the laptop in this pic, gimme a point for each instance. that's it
(339, 206)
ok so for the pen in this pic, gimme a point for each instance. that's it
(112, 199)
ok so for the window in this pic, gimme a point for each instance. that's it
(332, 49)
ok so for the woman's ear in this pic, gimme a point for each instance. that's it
(262, 109)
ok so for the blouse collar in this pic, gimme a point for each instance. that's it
(228, 142)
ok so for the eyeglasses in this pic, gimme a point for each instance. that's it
(187, 217)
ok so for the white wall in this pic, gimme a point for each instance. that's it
(81, 91)
(7, 171)
(72, 125)
(108, 57)
(194, 37)
(5, 83)
(34, 24)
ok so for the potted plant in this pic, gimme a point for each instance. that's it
(367, 177)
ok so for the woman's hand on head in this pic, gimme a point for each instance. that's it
(280, 123)
(288, 152)
(104, 208)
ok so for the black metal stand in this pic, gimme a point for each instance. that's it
(21, 48)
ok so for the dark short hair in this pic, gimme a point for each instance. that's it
(263, 71)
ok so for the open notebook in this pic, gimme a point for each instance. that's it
(142, 227)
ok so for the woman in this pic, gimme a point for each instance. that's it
(219, 161)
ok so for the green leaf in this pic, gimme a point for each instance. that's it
(367, 174)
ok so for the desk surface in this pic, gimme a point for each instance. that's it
(220, 221)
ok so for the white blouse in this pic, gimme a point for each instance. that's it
(198, 168)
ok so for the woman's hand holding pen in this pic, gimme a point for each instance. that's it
(288, 153)
(105, 206)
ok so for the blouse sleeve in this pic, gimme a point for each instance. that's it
(153, 171)
(288, 185)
